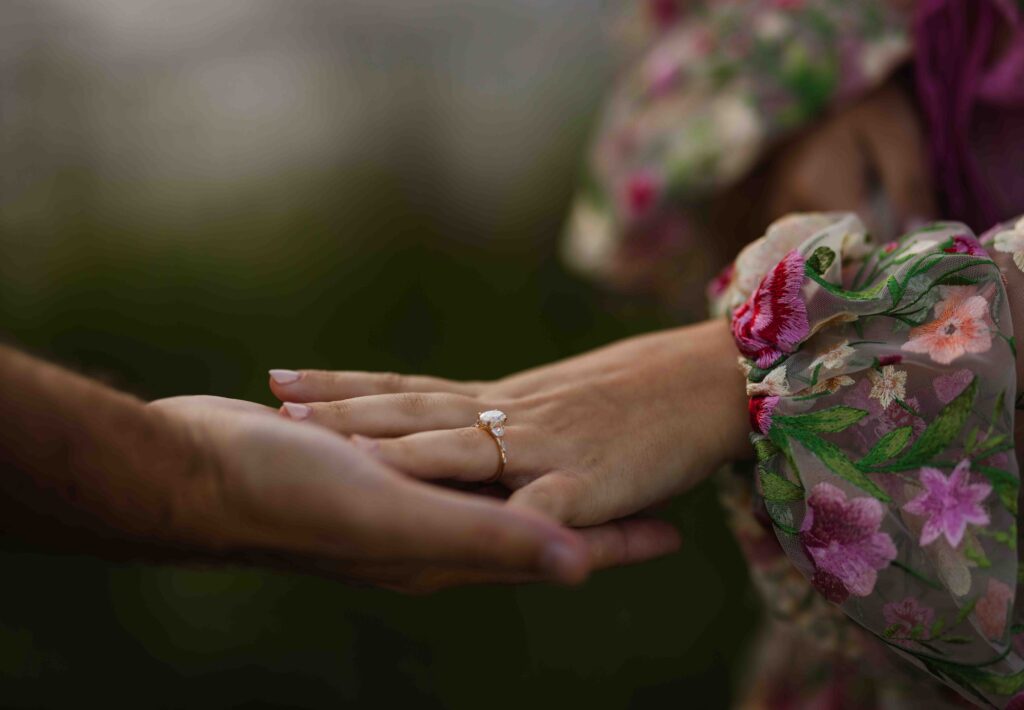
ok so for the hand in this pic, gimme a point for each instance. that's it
(869, 158)
(303, 498)
(590, 439)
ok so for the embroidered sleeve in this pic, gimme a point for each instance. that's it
(882, 385)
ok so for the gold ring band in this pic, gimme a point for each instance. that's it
(493, 423)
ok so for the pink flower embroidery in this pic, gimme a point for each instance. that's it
(992, 609)
(962, 325)
(949, 504)
(966, 244)
(948, 387)
(720, 283)
(890, 247)
(640, 193)
(761, 410)
(907, 615)
(843, 540)
(773, 321)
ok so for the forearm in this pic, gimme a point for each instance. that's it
(83, 467)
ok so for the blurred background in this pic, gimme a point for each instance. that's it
(194, 191)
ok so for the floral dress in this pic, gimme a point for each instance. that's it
(882, 382)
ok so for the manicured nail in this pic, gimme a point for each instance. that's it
(371, 446)
(562, 563)
(285, 377)
(296, 411)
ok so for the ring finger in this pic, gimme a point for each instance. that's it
(467, 454)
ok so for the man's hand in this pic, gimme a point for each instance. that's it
(310, 500)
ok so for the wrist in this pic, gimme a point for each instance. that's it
(86, 468)
(727, 400)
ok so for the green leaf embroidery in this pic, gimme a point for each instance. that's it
(832, 419)
(976, 555)
(888, 446)
(1004, 483)
(981, 679)
(777, 489)
(955, 280)
(821, 259)
(924, 264)
(837, 462)
(869, 294)
(896, 290)
(765, 450)
(989, 444)
(965, 611)
(997, 410)
(917, 575)
(972, 437)
(941, 432)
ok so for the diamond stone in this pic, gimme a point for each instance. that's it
(494, 419)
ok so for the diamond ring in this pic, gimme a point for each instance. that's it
(493, 422)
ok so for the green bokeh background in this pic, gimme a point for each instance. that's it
(166, 283)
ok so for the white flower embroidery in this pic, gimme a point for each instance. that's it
(773, 385)
(835, 357)
(832, 384)
(888, 386)
(1011, 241)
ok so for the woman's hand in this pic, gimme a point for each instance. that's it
(590, 439)
(304, 499)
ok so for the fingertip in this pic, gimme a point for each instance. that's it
(286, 384)
(565, 563)
(284, 377)
(296, 411)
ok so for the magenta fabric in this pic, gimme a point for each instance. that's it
(969, 65)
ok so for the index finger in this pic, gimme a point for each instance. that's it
(327, 386)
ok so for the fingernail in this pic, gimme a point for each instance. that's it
(371, 446)
(296, 411)
(285, 377)
(562, 563)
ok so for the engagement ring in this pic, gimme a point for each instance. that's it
(493, 422)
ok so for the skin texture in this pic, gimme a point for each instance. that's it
(590, 439)
(86, 469)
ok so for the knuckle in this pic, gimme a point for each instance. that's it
(413, 403)
(339, 410)
(391, 381)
